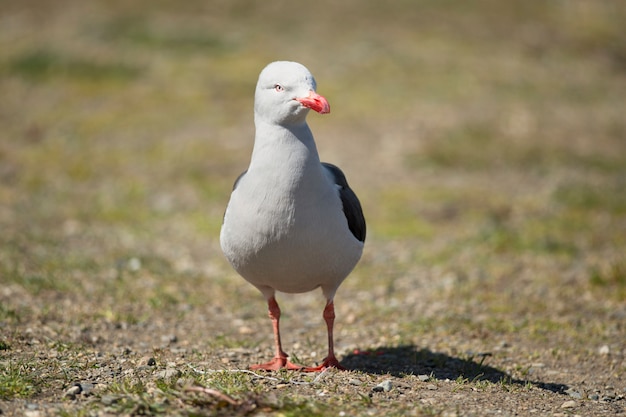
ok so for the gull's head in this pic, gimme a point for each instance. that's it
(285, 92)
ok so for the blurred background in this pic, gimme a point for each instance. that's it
(486, 140)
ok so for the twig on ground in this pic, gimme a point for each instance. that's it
(214, 393)
(320, 376)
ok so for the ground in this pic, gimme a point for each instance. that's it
(486, 143)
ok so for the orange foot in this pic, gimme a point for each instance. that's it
(276, 364)
(330, 362)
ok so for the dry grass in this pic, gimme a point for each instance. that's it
(486, 142)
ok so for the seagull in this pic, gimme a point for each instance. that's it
(292, 223)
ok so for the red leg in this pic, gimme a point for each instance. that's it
(330, 361)
(280, 360)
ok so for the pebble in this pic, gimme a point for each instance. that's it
(134, 264)
(385, 386)
(573, 393)
(73, 391)
(355, 381)
(83, 388)
(169, 338)
(604, 350)
(86, 388)
(569, 404)
(423, 377)
(431, 387)
(245, 330)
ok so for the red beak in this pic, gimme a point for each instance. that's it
(315, 102)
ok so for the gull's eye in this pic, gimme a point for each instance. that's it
(279, 88)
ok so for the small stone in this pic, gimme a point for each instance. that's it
(86, 388)
(169, 338)
(604, 350)
(431, 387)
(594, 397)
(355, 381)
(73, 391)
(573, 393)
(423, 377)
(569, 404)
(134, 264)
(387, 385)
(246, 330)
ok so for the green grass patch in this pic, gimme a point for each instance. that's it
(8, 314)
(177, 38)
(398, 216)
(610, 278)
(608, 196)
(36, 282)
(542, 234)
(478, 146)
(17, 380)
(469, 147)
(41, 64)
(130, 395)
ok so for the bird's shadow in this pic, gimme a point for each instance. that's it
(409, 360)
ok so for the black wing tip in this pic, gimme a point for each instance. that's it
(351, 205)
